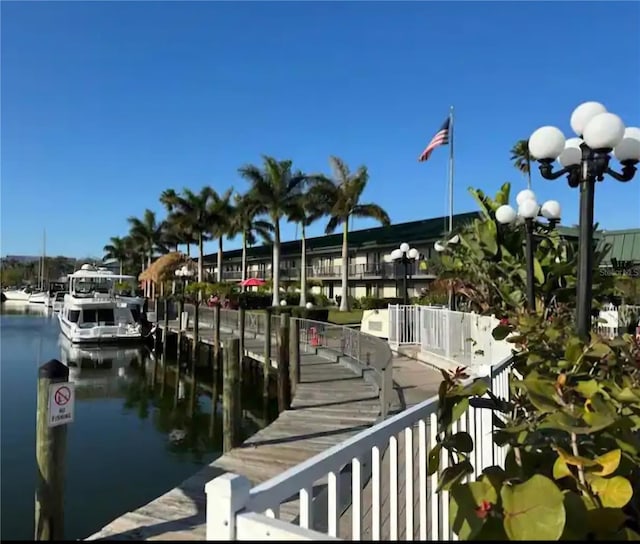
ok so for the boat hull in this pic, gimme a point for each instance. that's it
(98, 335)
(14, 295)
(39, 298)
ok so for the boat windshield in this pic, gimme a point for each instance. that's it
(59, 296)
(86, 286)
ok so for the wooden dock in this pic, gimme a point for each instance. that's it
(331, 403)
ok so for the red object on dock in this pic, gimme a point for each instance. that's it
(315, 340)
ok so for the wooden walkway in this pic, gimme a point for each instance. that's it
(332, 403)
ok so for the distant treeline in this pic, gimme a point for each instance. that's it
(16, 273)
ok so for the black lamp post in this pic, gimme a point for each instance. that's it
(528, 210)
(584, 161)
(405, 255)
(440, 247)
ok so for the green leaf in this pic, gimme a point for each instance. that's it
(564, 422)
(627, 534)
(538, 274)
(573, 351)
(575, 460)
(587, 388)
(533, 510)
(598, 350)
(576, 512)
(561, 469)
(495, 475)
(433, 459)
(452, 475)
(500, 332)
(541, 393)
(459, 409)
(461, 442)
(609, 463)
(613, 492)
(604, 520)
(464, 502)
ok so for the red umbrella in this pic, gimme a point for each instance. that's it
(252, 282)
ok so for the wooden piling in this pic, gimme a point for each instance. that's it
(165, 343)
(194, 357)
(294, 354)
(284, 383)
(267, 362)
(241, 326)
(230, 403)
(50, 455)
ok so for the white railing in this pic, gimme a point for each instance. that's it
(373, 486)
(459, 337)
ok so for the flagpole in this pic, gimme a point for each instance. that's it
(451, 169)
(451, 301)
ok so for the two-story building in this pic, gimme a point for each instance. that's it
(370, 273)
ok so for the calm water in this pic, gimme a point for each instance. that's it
(128, 444)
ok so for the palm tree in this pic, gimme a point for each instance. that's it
(275, 189)
(147, 233)
(245, 223)
(341, 197)
(308, 208)
(522, 159)
(179, 223)
(219, 213)
(117, 249)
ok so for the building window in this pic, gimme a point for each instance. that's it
(368, 289)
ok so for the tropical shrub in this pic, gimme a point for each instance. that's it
(571, 423)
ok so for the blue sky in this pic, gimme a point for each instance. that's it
(104, 105)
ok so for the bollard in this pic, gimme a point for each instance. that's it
(51, 440)
(230, 384)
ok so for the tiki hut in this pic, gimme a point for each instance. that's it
(161, 270)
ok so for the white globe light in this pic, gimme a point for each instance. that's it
(632, 132)
(505, 214)
(546, 143)
(573, 142)
(438, 246)
(526, 194)
(413, 253)
(387, 258)
(583, 114)
(604, 131)
(396, 254)
(283, 303)
(528, 209)
(308, 305)
(404, 247)
(551, 209)
(570, 156)
(454, 239)
(627, 150)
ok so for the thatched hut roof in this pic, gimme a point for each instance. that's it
(164, 267)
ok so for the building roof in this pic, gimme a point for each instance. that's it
(411, 232)
(625, 244)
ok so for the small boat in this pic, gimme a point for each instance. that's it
(93, 313)
(57, 301)
(39, 297)
(18, 295)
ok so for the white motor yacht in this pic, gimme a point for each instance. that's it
(18, 295)
(39, 297)
(92, 312)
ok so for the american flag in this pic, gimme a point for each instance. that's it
(441, 138)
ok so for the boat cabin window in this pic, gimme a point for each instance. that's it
(59, 297)
(73, 316)
(102, 315)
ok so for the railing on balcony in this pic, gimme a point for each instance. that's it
(362, 271)
(371, 478)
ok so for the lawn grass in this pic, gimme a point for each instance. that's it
(345, 318)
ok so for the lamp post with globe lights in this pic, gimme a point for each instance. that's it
(528, 210)
(440, 247)
(405, 255)
(183, 274)
(585, 160)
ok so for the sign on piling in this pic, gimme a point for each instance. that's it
(61, 404)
